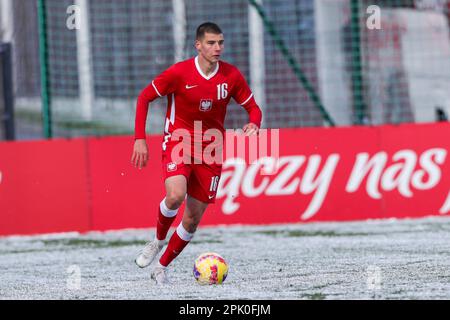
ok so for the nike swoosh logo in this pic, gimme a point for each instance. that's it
(210, 197)
(190, 87)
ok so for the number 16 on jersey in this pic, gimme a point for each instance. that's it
(222, 91)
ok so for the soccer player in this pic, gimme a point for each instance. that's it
(197, 89)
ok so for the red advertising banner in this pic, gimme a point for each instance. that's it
(123, 196)
(324, 174)
(44, 187)
(343, 174)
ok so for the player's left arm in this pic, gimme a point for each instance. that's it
(244, 96)
(254, 115)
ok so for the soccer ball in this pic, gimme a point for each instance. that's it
(210, 268)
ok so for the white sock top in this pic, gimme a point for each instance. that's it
(183, 234)
(166, 211)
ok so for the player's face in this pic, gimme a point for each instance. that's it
(210, 47)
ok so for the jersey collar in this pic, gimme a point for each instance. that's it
(201, 72)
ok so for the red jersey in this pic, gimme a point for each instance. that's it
(193, 96)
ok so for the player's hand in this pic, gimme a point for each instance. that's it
(250, 129)
(140, 154)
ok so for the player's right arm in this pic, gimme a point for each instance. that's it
(162, 85)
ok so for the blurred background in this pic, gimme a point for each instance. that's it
(73, 68)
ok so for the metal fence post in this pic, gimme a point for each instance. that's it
(6, 83)
(43, 55)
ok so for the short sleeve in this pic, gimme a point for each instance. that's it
(166, 82)
(241, 93)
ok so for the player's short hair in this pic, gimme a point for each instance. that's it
(207, 27)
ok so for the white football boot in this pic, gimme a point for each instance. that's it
(159, 275)
(149, 253)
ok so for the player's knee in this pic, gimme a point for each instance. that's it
(192, 223)
(174, 199)
(192, 226)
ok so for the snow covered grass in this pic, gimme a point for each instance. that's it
(385, 259)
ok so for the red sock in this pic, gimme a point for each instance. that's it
(175, 246)
(163, 226)
(164, 221)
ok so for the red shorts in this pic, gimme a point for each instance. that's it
(202, 179)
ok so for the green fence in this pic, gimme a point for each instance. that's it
(310, 63)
